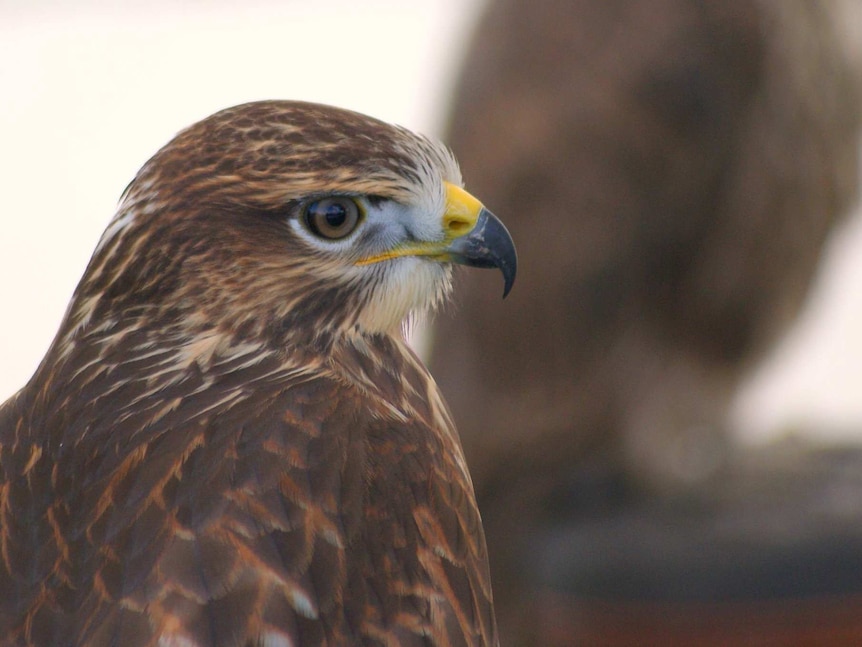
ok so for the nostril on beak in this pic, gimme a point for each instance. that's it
(457, 225)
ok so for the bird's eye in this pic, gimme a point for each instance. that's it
(332, 218)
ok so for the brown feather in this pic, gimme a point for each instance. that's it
(213, 452)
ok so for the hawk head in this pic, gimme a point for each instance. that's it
(289, 220)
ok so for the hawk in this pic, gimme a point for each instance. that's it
(229, 442)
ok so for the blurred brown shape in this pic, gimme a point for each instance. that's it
(669, 170)
(793, 623)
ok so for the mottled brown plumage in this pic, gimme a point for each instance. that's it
(229, 442)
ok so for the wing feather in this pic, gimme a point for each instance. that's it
(249, 503)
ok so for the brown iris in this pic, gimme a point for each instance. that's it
(332, 218)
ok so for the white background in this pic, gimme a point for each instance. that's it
(89, 92)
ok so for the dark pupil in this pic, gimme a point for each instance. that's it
(335, 215)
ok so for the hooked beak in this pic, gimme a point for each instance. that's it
(477, 237)
(488, 244)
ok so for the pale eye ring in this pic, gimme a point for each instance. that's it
(332, 218)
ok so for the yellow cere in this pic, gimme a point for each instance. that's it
(462, 211)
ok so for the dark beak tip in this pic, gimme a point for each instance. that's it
(509, 271)
(504, 255)
(488, 245)
(507, 288)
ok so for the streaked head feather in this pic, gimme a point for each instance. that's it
(201, 233)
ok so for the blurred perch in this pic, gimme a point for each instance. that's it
(669, 170)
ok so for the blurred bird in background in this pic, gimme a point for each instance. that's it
(671, 170)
